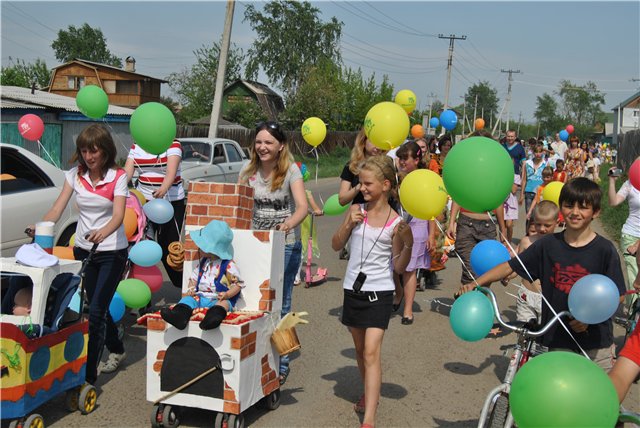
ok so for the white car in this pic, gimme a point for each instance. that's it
(215, 160)
(25, 199)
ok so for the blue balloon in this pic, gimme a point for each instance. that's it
(471, 316)
(303, 169)
(448, 119)
(159, 211)
(74, 304)
(593, 299)
(116, 308)
(488, 254)
(145, 253)
(434, 122)
(564, 135)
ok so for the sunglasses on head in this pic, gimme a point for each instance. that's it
(269, 124)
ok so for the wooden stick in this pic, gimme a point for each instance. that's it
(183, 386)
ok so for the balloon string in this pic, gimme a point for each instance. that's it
(48, 155)
(544, 299)
(315, 151)
(464, 266)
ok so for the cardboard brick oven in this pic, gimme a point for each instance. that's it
(241, 346)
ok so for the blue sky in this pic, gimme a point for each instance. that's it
(547, 41)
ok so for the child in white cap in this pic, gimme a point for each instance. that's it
(215, 282)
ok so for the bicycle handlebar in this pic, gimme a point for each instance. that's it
(522, 329)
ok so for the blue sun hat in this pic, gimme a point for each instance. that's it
(215, 238)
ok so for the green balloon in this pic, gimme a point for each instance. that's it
(134, 292)
(333, 207)
(92, 101)
(563, 389)
(471, 316)
(153, 127)
(478, 174)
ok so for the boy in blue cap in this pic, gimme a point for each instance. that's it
(214, 284)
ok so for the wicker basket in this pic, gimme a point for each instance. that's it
(286, 341)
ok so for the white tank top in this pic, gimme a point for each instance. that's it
(377, 265)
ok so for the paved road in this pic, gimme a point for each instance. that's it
(430, 377)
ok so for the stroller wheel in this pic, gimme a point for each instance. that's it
(170, 418)
(71, 399)
(156, 416)
(34, 421)
(88, 398)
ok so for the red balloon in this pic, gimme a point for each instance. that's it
(569, 129)
(634, 174)
(31, 127)
(150, 275)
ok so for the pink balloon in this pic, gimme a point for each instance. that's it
(634, 174)
(569, 129)
(31, 127)
(150, 275)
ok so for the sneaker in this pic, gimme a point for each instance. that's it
(112, 364)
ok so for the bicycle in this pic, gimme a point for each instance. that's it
(495, 411)
(631, 321)
(628, 417)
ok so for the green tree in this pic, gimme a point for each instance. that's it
(195, 87)
(360, 95)
(24, 75)
(245, 113)
(546, 113)
(581, 104)
(487, 101)
(84, 42)
(290, 37)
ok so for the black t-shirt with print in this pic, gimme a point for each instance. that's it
(558, 266)
(352, 178)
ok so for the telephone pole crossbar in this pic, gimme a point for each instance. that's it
(452, 38)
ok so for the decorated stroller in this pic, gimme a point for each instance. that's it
(44, 354)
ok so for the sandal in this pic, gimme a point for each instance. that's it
(283, 377)
(359, 406)
(112, 364)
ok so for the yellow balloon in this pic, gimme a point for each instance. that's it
(386, 125)
(72, 240)
(139, 195)
(313, 131)
(406, 99)
(422, 194)
(551, 192)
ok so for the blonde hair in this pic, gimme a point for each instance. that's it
(359, 153)
(285, 159)
(546, 210)
(382, 168)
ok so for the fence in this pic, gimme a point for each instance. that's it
(628, 148)
(297, 145)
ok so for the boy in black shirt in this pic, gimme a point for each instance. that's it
(559, 260)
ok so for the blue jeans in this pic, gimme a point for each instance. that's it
(102, 276)
(292, 257)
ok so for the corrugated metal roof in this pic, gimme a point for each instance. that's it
(22, 97)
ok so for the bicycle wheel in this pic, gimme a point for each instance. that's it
(499, 412)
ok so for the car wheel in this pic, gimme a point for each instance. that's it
(66, 236)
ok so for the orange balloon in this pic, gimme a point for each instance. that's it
(417, 131)
(479, 123)
(63, 253)
(130, 222)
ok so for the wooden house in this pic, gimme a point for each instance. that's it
(246, 90)
(124, 87)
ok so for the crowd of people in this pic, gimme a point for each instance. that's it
(379, 235)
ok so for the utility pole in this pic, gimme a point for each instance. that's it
(508, 104)
(519, 121)
(222, 70)
(475, 111)
(452, 38)
(464, 113)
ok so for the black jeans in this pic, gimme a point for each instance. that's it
(101, 278)
(168, 233)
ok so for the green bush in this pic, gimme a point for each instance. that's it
(612, 218)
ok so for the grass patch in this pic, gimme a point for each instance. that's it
(328, 165)
(612, 218)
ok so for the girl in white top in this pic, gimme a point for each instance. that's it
(631, 228)
(378, 237)
(101, 192)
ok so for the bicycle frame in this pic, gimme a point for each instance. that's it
(522, 352)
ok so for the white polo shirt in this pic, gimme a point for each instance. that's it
(96, 206)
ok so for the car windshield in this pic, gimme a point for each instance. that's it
(195, 152)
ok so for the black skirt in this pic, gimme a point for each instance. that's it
(367, 309)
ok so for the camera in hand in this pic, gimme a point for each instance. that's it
(359, 282)
(615, 172)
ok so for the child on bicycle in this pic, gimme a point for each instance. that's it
(529, 302)
(379, 237)
(215, 282)
(558, 260)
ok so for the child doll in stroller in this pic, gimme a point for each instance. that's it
(215, 282)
